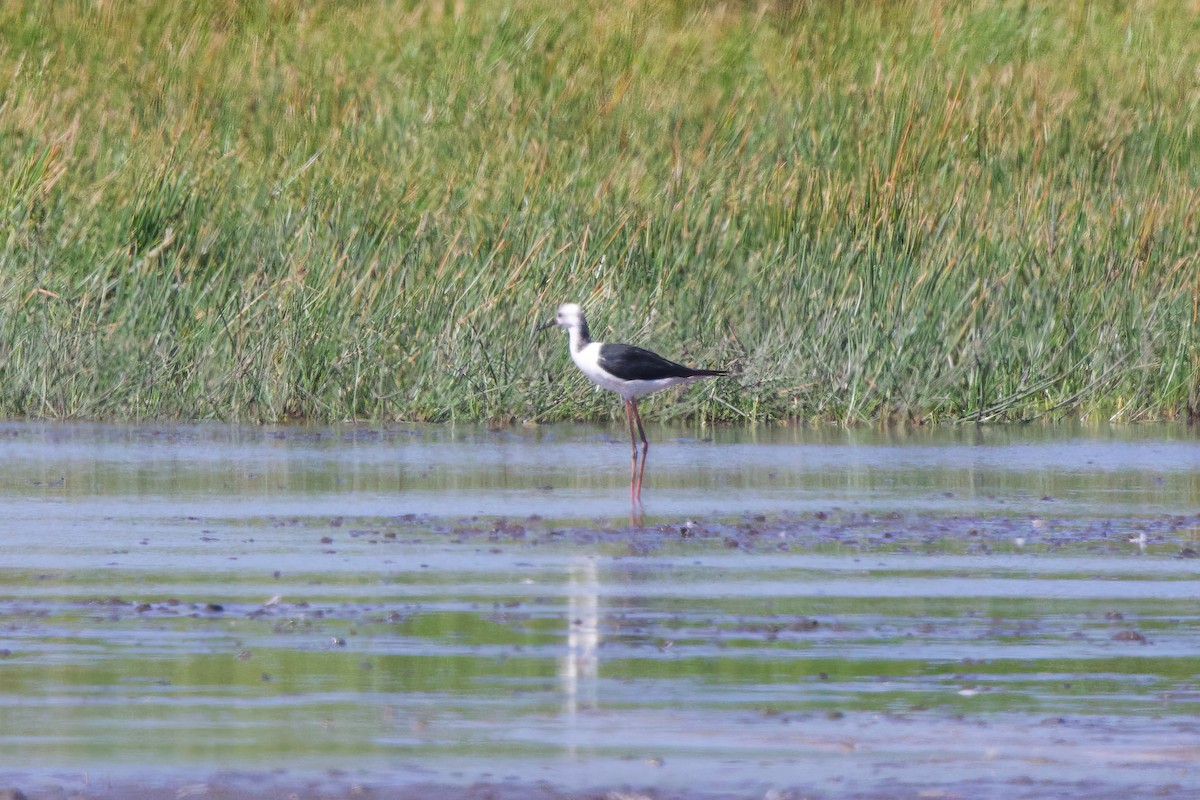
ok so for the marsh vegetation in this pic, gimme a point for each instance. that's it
(870, 210)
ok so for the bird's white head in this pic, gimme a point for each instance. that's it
(569, 315)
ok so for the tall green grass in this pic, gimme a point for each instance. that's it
(870, 210)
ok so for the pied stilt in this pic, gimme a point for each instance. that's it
(631, 372)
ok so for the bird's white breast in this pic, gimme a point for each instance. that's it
(587, 358)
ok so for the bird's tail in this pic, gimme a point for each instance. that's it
(705, 373)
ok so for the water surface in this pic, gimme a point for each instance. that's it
(827, 612)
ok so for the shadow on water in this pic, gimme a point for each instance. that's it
(829, 612)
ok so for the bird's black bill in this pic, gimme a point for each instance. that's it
(546, 325)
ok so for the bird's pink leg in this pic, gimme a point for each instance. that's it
(634, 487)
(645, 448)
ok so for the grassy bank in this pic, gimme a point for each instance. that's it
(871, 210)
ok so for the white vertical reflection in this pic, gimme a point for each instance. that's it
(579, 666)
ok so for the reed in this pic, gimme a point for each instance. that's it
(872, 211)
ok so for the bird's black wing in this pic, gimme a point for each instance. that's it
(631, 363)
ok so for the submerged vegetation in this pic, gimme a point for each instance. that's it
(923, 210)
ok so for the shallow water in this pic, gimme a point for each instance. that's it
(983, 610)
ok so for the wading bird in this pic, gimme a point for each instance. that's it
(627, 370)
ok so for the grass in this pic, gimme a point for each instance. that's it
(872, 211)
